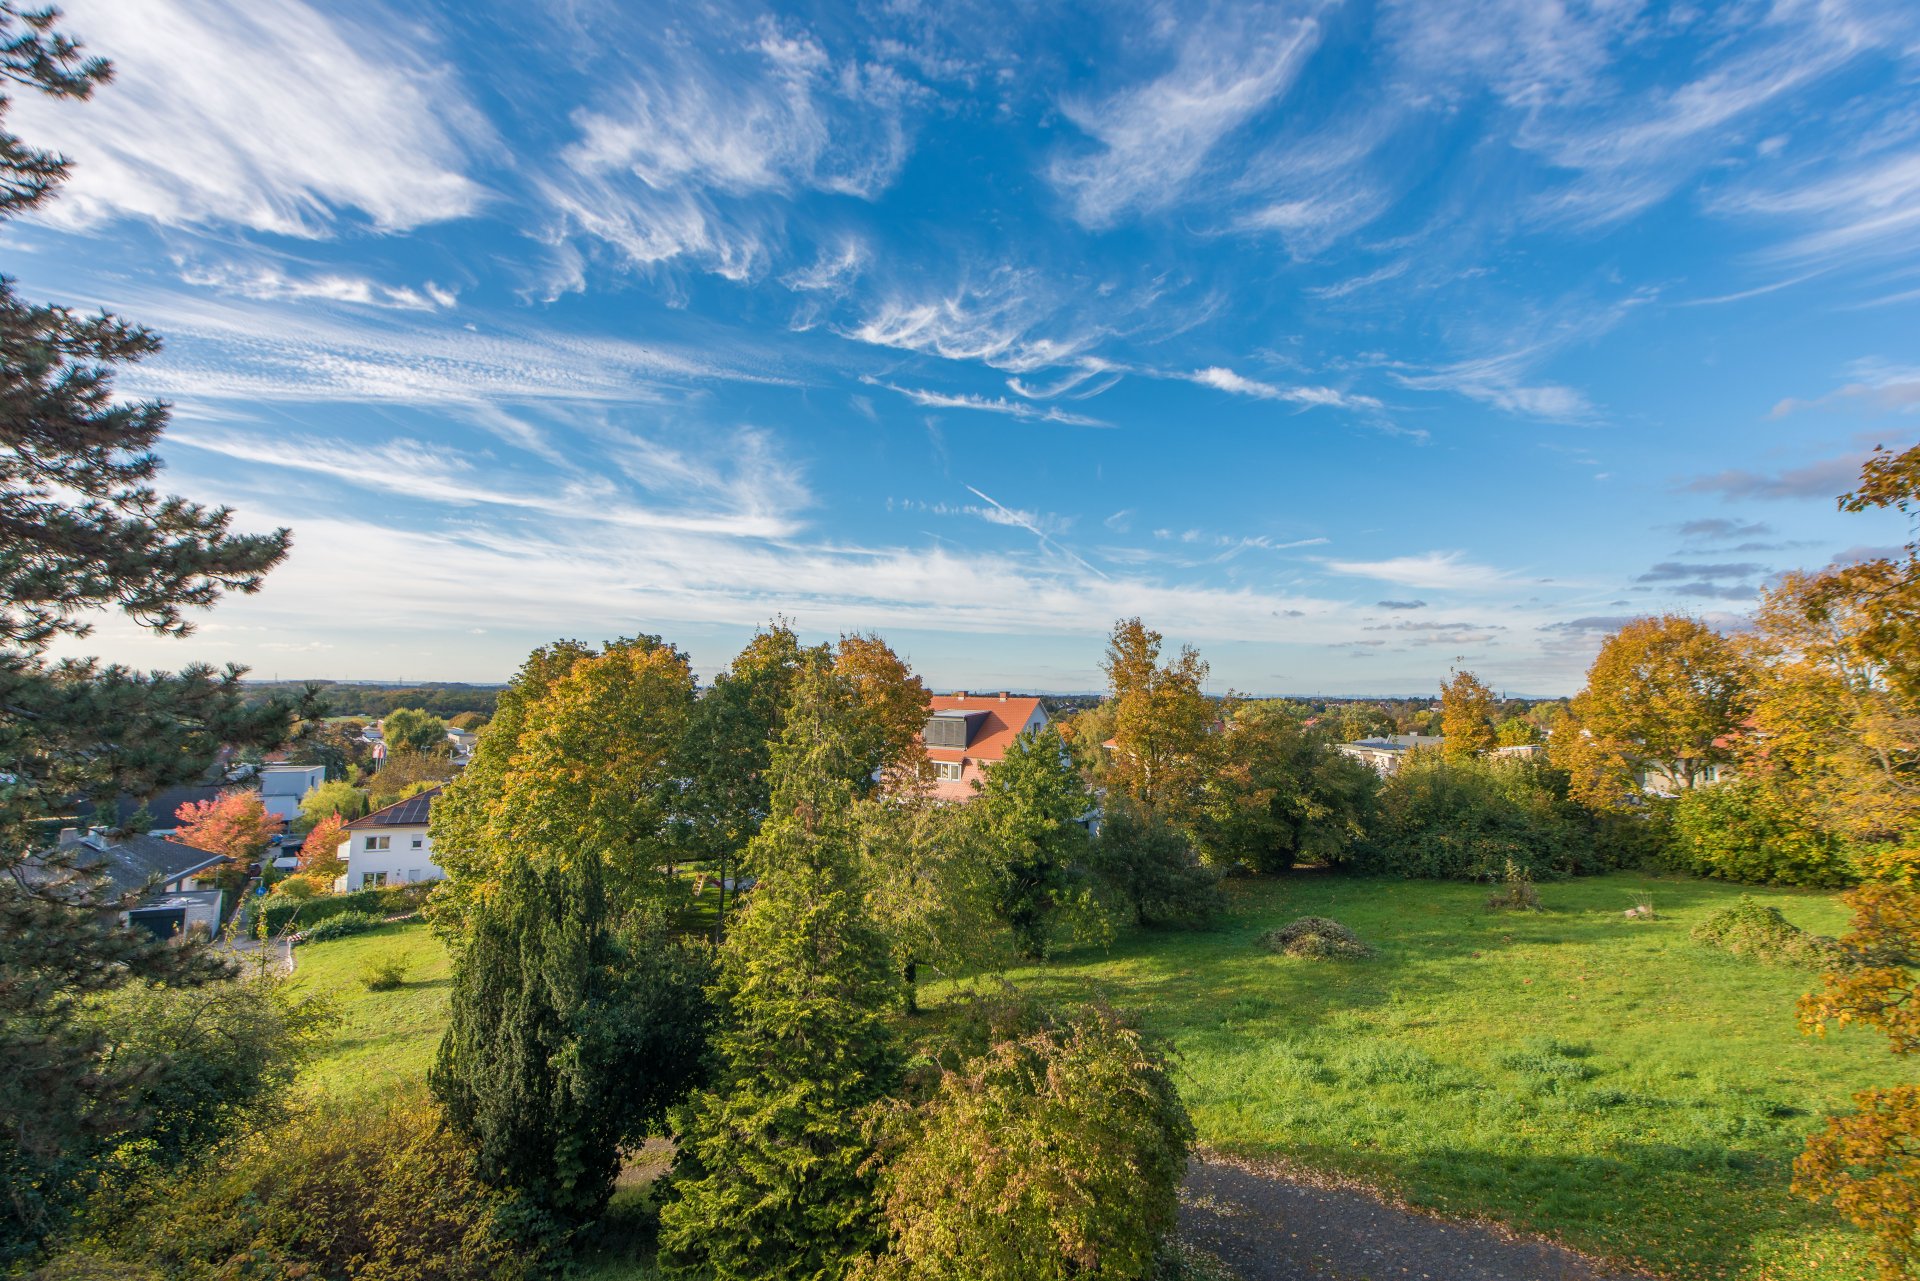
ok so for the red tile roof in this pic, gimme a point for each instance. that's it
(1006, 716)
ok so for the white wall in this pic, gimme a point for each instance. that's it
(402, 862)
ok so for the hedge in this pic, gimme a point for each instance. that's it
(391, 901)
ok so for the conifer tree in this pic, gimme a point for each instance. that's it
(567, 1035)
(771, 1178)
(82, 528)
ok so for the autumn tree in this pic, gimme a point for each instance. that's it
(894, 703)
(586, 769)
(1867, 1163)
(234, 824)
(84, 528)
(1161, 718)
(1662, 698)
(1467, 708)
(319, 859)
(407, 774)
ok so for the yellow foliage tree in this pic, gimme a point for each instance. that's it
(1467, 707)
(1161, 718)
(1868, 1162)
(1663, 696)
(894, 701)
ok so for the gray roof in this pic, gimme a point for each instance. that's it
(1399, 742)
(412, 812)
(133, 861)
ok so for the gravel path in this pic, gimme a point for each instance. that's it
(1269, 1224)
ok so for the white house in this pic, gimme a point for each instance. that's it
(282, 786)
(390, 846)
(967, 734)
(1386, 753)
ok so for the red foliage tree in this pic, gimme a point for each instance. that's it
(235, 824)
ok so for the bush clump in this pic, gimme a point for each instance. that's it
(1516, 893)
(385, 973)
(1469, 820)
(337, 1192)
(340, 926)
(1741, 831)
(1055, 1154)
(1760, 933)
(1317, 938)
(389, 901)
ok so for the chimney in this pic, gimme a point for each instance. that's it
(69, 835)
(97, 838)
(960, 696)
(1003, 695)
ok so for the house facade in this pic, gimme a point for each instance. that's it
(968, 734)
(282, 786)
(390, 846)
(1386, 753)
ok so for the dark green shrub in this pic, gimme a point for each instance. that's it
(1760, 933)
(1058, 1154)
(341, 925)
(395, 900)
(1741, 831)
(1152, 869)
(1316, 938)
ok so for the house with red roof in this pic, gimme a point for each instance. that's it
(968, 734)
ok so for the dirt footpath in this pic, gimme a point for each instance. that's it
(1269, 1225)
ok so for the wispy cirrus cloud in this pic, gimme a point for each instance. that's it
(665, 166)
(1002, 322)
(272, 283)
(281, 118)
(1223, 379)
(1152, 138)
(991, 405)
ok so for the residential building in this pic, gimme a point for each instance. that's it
(390, 846)
(1387, 752)
(172, 904)
(282, 786)
(967, 734)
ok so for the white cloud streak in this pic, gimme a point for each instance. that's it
(271, 117)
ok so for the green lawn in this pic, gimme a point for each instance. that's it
(386, 1038)
(1602, 1081)
(1572, 1073)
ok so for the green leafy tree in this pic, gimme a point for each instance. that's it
(771, 1176)
(328, 799)
(1152, 868)
(1467, 709)
(408, 729)
(83, 528)
(1030, 805)
(407, 774)
(930, 883)
(1517, 731)
(1279, 795)
(727, 751)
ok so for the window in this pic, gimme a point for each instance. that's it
(946, 731)
(949, 770)
(413, 874)
(416, 842)
(373, 880)
(377, 842)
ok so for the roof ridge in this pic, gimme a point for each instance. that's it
(371, 814)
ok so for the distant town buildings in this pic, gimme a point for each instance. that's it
(1385, 753)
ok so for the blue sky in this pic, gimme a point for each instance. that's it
(1348, 342)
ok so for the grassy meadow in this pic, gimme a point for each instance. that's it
(1602, 1081)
